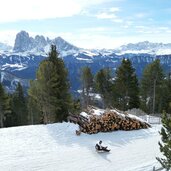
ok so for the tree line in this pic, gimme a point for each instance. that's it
(49, 100)
(125, 91)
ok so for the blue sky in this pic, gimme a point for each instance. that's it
(88, 24)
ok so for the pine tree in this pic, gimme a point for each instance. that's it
(165, 146)
(11, 117)
(19, 106)
(126, 89)
(50, 90)
(87, 85)
(34, 112)
(151, 87)
(166, 95)
(4, 106)
(103, 85)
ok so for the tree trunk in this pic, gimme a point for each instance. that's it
(1, 120)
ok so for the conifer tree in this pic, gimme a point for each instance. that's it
(103, 85)
(50, 90)
(87, 85)
(10, 118)
(19, 106)
(151, 87)
(4, 106)
(34, 114)
(126, 89)
(166, 95)
(165, 146)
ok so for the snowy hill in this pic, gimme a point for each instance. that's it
(56, 147)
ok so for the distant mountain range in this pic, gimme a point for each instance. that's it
(19, 63)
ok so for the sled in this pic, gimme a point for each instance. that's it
(104, 149)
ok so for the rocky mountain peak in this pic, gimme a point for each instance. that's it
(63, 45)
(22, 42)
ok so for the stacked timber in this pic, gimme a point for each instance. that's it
(108, 121)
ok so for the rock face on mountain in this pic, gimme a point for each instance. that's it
(25, 43)
(39, 43)
(63, 45)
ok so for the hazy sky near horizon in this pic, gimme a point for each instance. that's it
(88, 24)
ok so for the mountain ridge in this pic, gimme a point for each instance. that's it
(25, 43)
(39, 44)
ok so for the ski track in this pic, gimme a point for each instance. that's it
(55, 147)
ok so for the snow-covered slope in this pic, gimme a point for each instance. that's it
(10, 81)
(56, 147)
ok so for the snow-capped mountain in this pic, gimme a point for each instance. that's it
(23, 61)
(40, 44)
(145, 47)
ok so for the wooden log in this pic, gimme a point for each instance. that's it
(109, 121)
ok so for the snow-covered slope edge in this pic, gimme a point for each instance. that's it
(56, 147)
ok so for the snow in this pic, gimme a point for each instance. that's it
(84, 114)
(147, 51)
(135, 52)
(163, 52)
(56, 147)
(151, 119)
(2, 76)
(92, 95)
(144, 118)
(84, 60)
(95, 96)
(89, 53)
(17, 66)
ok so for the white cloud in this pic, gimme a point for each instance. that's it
(42, 9)
(106, 16)
(110, 14)
(114, 9)
(36, 9)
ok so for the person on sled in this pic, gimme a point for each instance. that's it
(99, 147)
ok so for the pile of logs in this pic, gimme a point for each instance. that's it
(109, 121)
